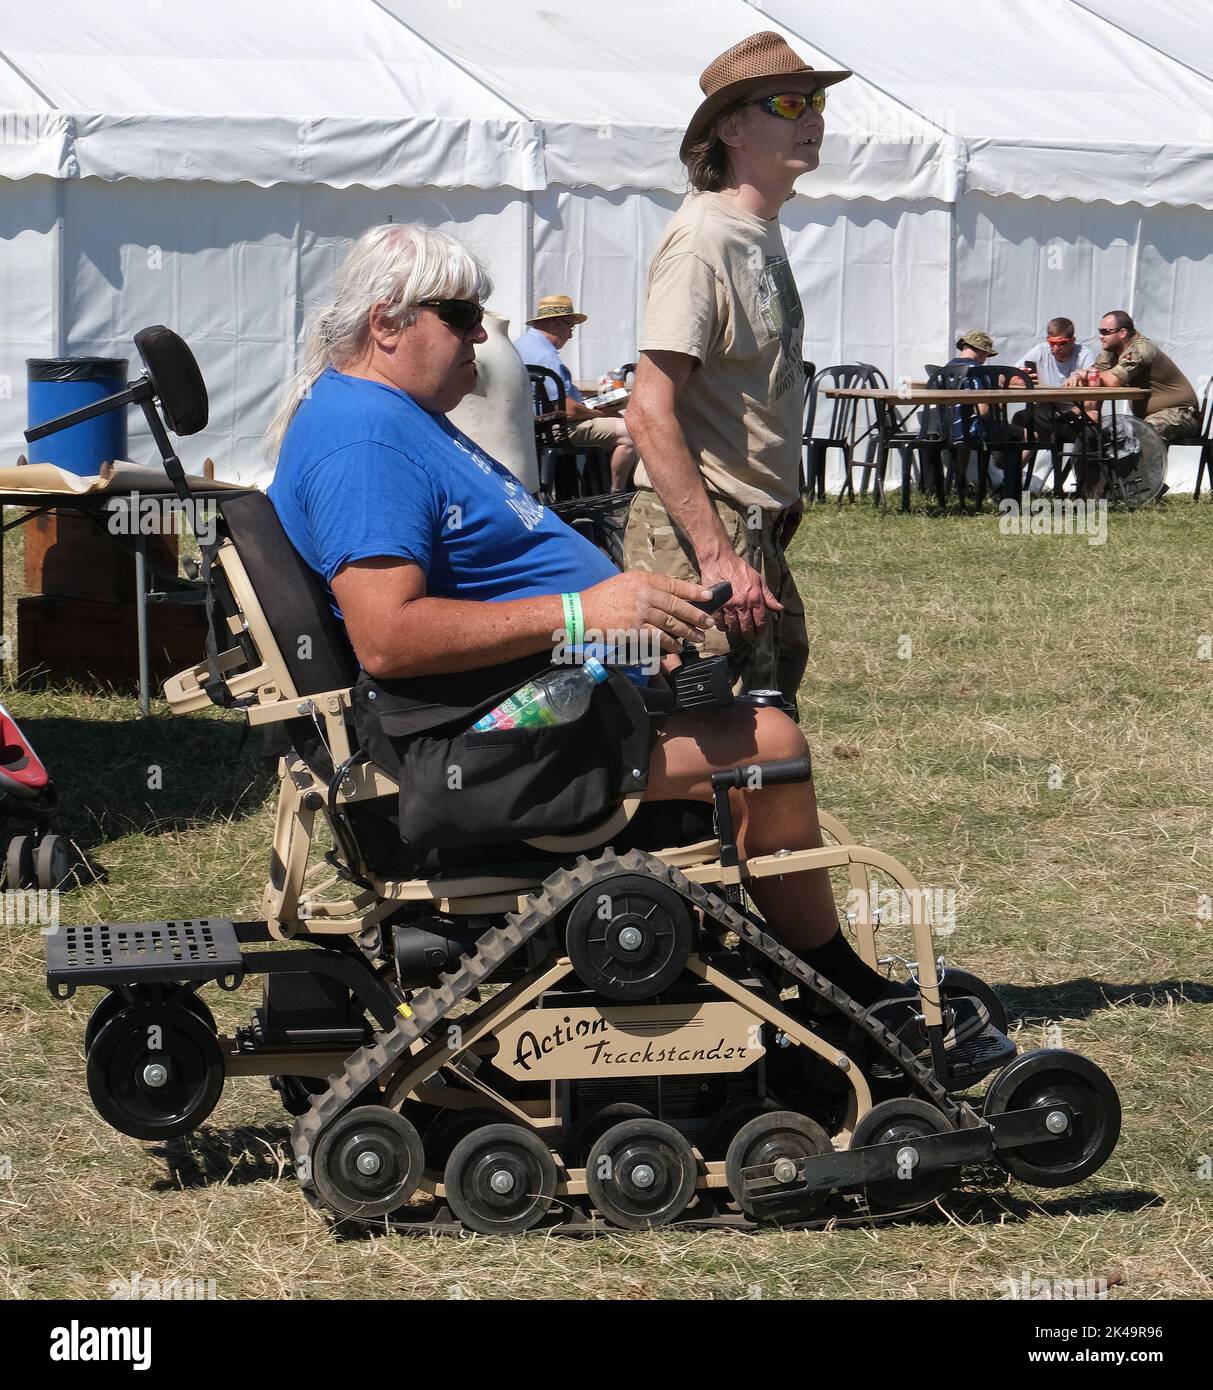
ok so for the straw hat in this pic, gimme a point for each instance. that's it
(751, 63)
(556, 306)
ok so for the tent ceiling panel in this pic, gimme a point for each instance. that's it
(1050, 99)
(1180, 28)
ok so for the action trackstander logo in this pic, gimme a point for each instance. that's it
(77, 1342)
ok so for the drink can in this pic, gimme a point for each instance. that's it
(1093, 376)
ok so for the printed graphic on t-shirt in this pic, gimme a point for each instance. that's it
(781, 312)
(521, 503)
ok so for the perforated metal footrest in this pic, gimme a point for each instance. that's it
(978, 1056)
(109, 954)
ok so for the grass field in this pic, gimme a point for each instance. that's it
(1027, 721)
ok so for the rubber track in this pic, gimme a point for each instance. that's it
(430, 1006)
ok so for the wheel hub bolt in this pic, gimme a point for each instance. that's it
(502, 1181)
(907, 1156)
(155, 1074)
(368, 1163)
(1056, 1122)
(643, 1175)
(785, 1170)
(631, 939)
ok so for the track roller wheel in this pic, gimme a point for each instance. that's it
(901, 1120)
(368, 1161)
(629, 938)
(451, 1126)
(114, 1002)
(1037, 1080)
(500, 1180)
(19, 863)
(767, 1138)
(724, 1125)
(586, 1132)
(53, 862)
(155, 1073)
(641, 1174)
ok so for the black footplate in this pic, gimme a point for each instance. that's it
(977, 1057)
(107, 954)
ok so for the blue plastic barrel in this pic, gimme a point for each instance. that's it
(56, 385)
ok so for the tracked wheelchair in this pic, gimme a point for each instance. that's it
(572, 1030)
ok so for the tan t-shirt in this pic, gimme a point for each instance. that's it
(1141, 364)
(721, 290)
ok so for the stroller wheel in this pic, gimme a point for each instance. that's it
(19, 863)
(52, 862)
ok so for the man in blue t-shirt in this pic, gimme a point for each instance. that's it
(540, 346)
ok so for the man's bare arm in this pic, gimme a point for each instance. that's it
(659, 440)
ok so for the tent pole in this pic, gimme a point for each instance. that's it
(59, 272)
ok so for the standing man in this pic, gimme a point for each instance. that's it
(1129, 358)
(540, 346)
(719, 398)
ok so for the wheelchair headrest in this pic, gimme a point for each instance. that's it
(175, 377)
(313, 643)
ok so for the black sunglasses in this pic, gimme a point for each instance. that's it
(461, 314)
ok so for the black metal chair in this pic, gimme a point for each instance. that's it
(1206, 442)
(841, 430)
(994, 434)
(566, 470)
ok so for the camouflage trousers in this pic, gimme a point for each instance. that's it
(776, 660)
(1180, 422)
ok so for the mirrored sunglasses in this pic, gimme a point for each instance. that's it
(461, 314)
(791, 105)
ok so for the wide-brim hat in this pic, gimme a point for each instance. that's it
(978, 338)
(556, 306)
(747, 65)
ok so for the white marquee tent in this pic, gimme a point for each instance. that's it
(206, 164)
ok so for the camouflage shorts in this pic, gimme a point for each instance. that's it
(777, 659)
(1180, 422)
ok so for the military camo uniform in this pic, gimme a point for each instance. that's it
(1171, 407)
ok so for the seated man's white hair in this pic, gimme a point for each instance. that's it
(394, 264)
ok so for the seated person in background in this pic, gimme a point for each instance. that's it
(1058, 360)
(540, 346)
(974, 349)
(1129, 358)
(370, 473)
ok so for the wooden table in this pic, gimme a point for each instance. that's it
(915, 397)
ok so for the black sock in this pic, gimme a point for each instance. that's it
(842, 967)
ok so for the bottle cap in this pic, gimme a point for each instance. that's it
(596, 669)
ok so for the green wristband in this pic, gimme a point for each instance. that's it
(574, 621)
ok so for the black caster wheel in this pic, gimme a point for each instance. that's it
(53, 862)
(155, 1073)
(453, 1125)
(960, 982)
(19, 863)
(500, 1180)
(1038, 1080)
(641, 1174)
(723, 1126)
(629, 938)
(114, 1002)
(586, 1132)
(901, 1120)
(368, 1162)
(768, 1138)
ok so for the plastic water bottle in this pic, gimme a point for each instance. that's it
(557, 698)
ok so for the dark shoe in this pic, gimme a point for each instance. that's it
(964, 1017)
